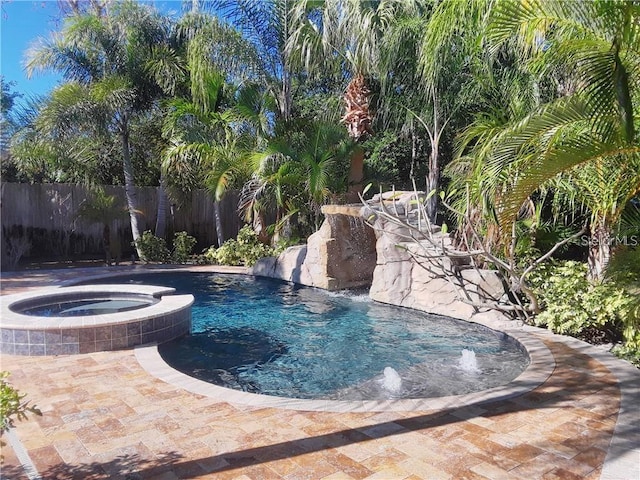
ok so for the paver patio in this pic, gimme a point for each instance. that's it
(104, 416)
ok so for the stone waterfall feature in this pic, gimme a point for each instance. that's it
(341, 255)
(348, 253)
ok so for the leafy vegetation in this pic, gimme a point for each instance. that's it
(183, 245)
(245, 250)
(155, 249)
(13, 405)
(152, 248)
(603, 312)
(572, 305)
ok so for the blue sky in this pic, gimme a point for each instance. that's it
(22, 22)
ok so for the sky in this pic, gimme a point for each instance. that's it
(21, 23)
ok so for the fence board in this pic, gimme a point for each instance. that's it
(46, 214)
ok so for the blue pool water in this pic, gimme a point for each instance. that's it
(266, 336)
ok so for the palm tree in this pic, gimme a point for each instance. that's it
(267, 25)
(209, 124)
(448, 73)
(596, 48)
(314, 158)
(505, 96)
(105, 59)
(202, 133)
(7, 126)
(604, 187)
(344, 36)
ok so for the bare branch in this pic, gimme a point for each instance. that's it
(432, 253)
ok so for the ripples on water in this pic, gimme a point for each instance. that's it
(271, 337)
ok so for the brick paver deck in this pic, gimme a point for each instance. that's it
(105, 417)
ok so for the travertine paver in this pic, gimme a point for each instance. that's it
(105, 417)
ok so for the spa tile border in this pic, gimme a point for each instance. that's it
(22, 334)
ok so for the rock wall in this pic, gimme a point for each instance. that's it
(409, 272)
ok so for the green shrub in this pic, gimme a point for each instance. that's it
(624, 269)
(182, 247)
(628, 352)
(572, 305)
(12, 404)
(245, 250)
(152, 248)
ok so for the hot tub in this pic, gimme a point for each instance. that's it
(91, 318)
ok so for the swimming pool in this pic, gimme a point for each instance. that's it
(270, 337)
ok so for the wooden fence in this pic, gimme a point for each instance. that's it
(45, 215)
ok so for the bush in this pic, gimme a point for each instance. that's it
(12, 406)
(628, 352)
(574, 306)
(624, 269)
(152, 248)
(182, 247)
(245, 250)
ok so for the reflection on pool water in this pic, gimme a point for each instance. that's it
(266, 336)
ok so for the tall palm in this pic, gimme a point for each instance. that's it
(344, 36)
(267, 24)
(597, 46)
(7, 125)
(208, 142)
(200, 143)
(106, 58)
(506, 97)
(604, 187)
(210, 123)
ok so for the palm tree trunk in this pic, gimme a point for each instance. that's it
(356, 174)
(219, 225)
(161, 220)
(285, 93)
(285, 96)
(358, 119)
(599, 251)
(414, 153)
(129, 185)
(433, 177)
